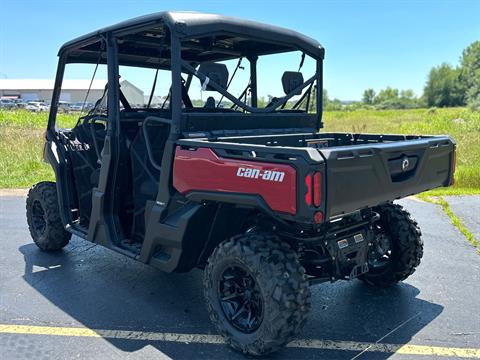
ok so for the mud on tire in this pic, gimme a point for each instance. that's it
(281, 283)
(43, 217)
(406, 243)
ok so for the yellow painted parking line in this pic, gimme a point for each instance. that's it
(435, 351)
(406, 349)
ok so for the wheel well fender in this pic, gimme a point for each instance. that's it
(228, 220)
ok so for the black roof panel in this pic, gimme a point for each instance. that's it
(187, 25)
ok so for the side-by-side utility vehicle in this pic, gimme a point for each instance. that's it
(247, 189)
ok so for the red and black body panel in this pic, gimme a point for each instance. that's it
(201, 169)
(270, 181)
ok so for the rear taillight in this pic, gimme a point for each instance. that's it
(313, 195)
(317, 189)
(308, 195)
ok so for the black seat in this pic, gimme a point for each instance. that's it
(84, 148)
(145, 175)
(210, 103)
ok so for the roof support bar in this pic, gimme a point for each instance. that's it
(176, 99)
(113, 95)
(319, 93)
(253, 80)
(55, 97)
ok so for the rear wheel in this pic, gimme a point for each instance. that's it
(43, 217)
(397, 249)
(256, 292)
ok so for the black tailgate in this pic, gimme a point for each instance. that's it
(366, 175)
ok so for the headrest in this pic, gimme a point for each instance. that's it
(292, 80)
(215, 72)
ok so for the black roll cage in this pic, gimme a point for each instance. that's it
(177, 67)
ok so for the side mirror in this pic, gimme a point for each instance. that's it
(291, 80)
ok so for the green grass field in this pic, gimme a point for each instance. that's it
(21, 140)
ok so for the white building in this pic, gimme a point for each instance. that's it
(73, 90)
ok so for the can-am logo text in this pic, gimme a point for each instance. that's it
(268, 175)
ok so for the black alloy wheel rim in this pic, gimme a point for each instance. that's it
(240, 299)
(38, 219)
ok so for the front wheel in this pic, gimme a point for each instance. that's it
(43, 217)
(256, 292)
(397, 249)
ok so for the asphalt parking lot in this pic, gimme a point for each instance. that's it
(89, 303)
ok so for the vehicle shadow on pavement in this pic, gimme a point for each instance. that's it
(100, 289)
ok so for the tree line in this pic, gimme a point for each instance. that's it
(446, 86)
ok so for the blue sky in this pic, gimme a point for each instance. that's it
(368, 43)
